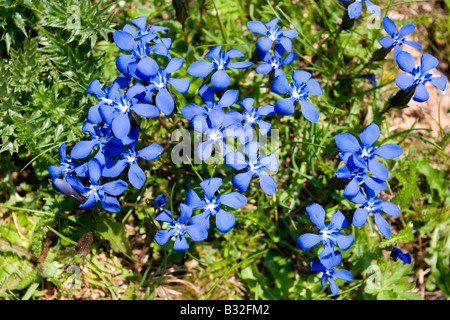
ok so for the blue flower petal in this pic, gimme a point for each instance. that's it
(285, 106)
(123, 40)
(406, 61)
(308, 240)
(382, 225)
(197, 232)
(220, 80)
(225, 221)
(210, 186)
(316, 215)
(346, 142)
(136, 176)
(257, 27)
(162, 237)
(421, 94)
(439, 82)
(360, 217)
(200, 69)
(378, 169)
(180, 244)
(115, 188)
(264, 44)
(345, 241)
(389, 26)
(404, 81)
(82, 149)
(233, 199)
(242, 180)
(390, 208)
(110, 204)
(388, 151)
(164, 101)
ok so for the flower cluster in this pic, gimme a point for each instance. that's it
(112, 123)
(302, 86)
(416, 77)
(361, 166)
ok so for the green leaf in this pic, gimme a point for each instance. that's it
(114, 232)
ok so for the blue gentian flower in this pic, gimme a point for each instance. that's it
(299, 90)
(418, 76)
(330, 234)
(372, 204)
(366, 152)
(179, 229)
(100, 137)
(273, 34)
(102, 95)
(98, 192)
(161, 200)
(148, 34)
(215, 132)
(159, 83)
(397, 39)
(398, 254)
(117, 114)
(210, 204)
(255, 166)
(130, 157)
(220, 60)
(138, 64)
(207, 93)
(66, 166)
(327, 267)
(354, 9)
(251, 116)
(64, 187)
(356, 171)
(275, 62)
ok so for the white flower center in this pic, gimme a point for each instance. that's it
(210, 205)
(179, 227)
(295, 94)
(215, 135)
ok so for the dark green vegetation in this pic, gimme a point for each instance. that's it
(51, 51)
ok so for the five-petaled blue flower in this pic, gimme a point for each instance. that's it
(354, 9)
(330, 233)
(274, 62)
(179, 229)
(159, 82)
(299, 90)
(210, 204)
(372, 204)
(251, 116)
(398, 254)
(255, 166)
(207, 94)
(397, 39)
(66, 166)
(366, 152)
(100, 137)
(148, 34)
(215, 131)
(102, 95)
(272, 34)
(98, 192)
(418, 76)
(327, 267)
(136, 175)
(117, 114)
(219, 61)
(356, 171)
